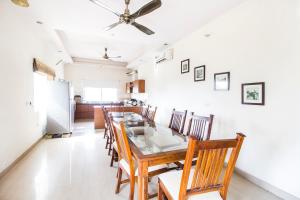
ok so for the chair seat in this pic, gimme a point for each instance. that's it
(126, 167)
(171, 180)
(182, 162)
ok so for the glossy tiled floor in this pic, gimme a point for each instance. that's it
(77, 168)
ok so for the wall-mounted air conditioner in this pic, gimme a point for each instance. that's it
(131, 73)
(164, 56)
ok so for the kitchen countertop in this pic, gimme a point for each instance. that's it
(127, 106)
(100, 103)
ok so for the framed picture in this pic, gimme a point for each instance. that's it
(222, 81)
(185, 66)
(199, 73)
(253, 93)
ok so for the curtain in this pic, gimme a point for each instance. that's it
(40, 67)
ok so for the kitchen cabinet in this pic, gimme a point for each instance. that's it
(137, 86)
(99, 120)
(86, 110)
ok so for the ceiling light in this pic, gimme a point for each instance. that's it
(22, 3)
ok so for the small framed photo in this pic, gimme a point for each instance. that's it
(185, 66)
(199, 73)
(222, 81)
(253, 93)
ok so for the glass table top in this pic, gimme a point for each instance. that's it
(150, 137)
(130, 118)
(123, 114)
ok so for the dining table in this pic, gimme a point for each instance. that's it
(151, 144)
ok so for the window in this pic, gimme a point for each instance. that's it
(109, 94)
(92, 94)
(100, 94)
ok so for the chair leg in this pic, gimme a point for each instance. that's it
(107, 141)
(112, 157)
(116, 156)
(119, 176)
(160, 192)
(132, 184)
(105, 133)
(110, 146)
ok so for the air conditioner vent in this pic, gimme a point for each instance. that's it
(164, 56)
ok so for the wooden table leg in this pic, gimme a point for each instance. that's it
(143, 180)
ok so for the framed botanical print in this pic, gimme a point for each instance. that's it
(253, 93)
(185, 66)
(222, 81)
(199, 73)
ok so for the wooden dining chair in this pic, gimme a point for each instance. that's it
(106, 127)
(151, 113)
(110, 136)
(207, 180)
(105, 123)
(199, 126)
(126, 161)
(144, 111)
(115, 147)
(177, 121)
(112, 148)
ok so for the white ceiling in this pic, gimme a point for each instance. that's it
(81, 23)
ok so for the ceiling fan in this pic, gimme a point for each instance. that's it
(106, 57)
(22, 3)
(130, 18)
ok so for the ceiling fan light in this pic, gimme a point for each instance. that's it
(23, 3)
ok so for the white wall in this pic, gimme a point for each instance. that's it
(256, 41)
(93, 75)
(21, 39)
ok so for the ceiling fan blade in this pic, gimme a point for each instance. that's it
(103, 5)
(142, 28)
(148, 8)
(112, 26)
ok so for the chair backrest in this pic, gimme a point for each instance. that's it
(200, 126)
(144, 111)
(123, 145)
(151, 113)
(105, 114)
(208, 174)
(108, 123)
(177, 121)
(110, 126)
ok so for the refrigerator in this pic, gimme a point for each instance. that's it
(60, 108)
